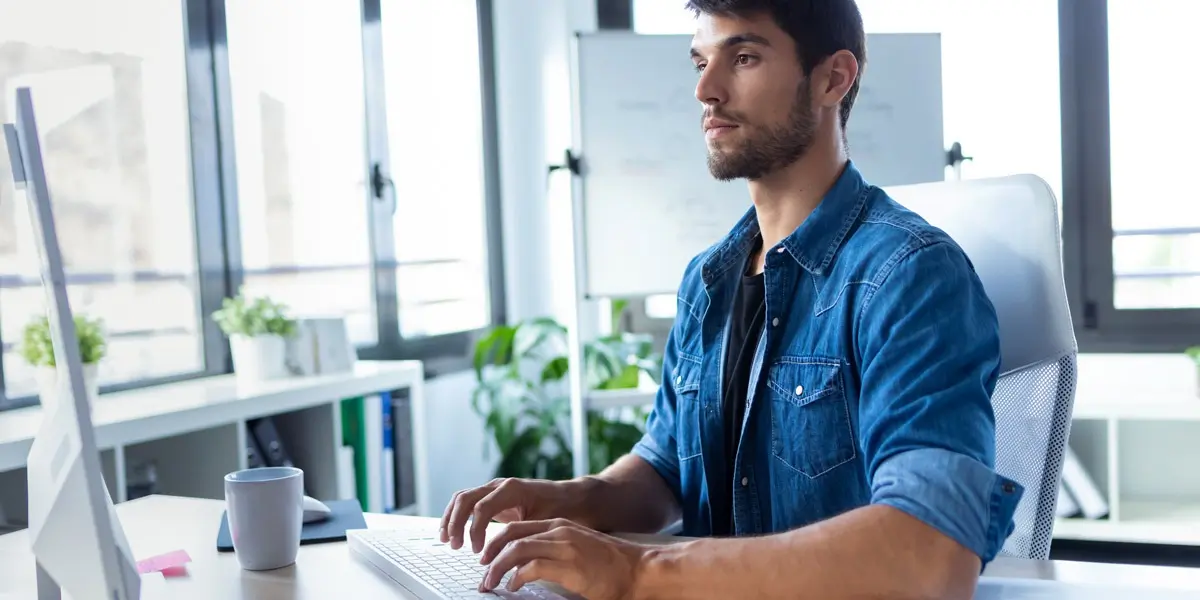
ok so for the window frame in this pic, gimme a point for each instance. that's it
(215, 197)
(1087, 199)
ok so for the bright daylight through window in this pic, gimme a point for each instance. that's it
(436, 152)
(1156, 224)
(298, 113)
(111, 101)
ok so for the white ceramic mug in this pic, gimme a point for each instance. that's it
(265, 508)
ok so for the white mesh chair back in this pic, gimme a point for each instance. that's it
(1009, 228)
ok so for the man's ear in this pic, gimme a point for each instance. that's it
(838, 74)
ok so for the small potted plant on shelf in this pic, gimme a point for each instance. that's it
(37, 348)
(258, 329)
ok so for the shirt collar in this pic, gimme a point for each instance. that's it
(814, 244)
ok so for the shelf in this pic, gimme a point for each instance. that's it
(172, 409)
(1141, 522)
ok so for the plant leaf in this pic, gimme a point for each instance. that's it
(555, 370)
(532, 334)
(493, 348)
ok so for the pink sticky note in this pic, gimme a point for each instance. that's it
(170, 563)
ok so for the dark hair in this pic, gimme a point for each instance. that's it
(819, 27)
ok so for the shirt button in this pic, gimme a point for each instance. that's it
(678, 380)
(799, 390)
(745, 481)
(780, 250)
(775, 322)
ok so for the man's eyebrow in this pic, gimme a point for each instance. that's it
(737, 40)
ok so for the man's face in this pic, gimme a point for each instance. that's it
(758, 113)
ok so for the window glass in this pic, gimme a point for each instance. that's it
(1156, 227)
(435, 140)
(110, 96)
(296, 71)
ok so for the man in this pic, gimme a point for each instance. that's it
(824, 423)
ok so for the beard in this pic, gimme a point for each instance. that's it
(765, 150)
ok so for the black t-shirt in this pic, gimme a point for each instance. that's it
(745, 327)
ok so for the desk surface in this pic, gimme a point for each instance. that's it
(160, 524)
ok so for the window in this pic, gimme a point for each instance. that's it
(1155, 225)
(1134, 244)
(296, 73)
(436, 144)
(211, 144)
(111, 98)
(1001, 98)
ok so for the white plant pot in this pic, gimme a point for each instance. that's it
(259, 358)
(48, 384)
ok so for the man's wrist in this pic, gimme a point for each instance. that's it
(579, 499)
(657, 570)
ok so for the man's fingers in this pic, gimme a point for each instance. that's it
(503, 497)
(464, 503)
(520, 530)
(521, 552)
(444, 529)
(564, 574)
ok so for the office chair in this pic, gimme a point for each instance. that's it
(1009, 228)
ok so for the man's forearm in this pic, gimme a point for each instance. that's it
(872, 552)
(629, 496)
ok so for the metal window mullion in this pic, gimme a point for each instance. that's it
(213, 177)
(382, 229)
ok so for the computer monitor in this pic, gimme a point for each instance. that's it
(77, 540)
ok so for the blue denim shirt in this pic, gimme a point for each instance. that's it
(880, 351)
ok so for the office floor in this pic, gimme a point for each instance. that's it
(1136, 554)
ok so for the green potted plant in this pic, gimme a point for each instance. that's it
(522, 395)
(37, 348)
(258, 330)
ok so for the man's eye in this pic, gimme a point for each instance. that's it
(744, 59)
(699, 67)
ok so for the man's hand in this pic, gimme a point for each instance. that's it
(581, 560)
(504, 500)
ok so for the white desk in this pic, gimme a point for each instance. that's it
(202, 422)
(161, 524)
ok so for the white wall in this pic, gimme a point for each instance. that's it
(456, 439)
(534, 118)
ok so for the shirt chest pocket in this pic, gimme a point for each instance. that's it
(689, 412)
(810, 417)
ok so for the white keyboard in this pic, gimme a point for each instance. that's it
(431, 570)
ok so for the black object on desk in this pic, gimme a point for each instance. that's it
(343, 515)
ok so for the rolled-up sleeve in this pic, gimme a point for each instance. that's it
(657, 446)
(930, 355)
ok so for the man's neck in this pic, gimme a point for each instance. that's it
(785, 198)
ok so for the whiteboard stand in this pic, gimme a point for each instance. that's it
(580, 450)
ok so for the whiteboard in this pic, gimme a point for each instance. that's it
(647, 204)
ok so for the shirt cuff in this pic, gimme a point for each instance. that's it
(666, 465)
(953, 493)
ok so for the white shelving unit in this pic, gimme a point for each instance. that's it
(1136, 430)
(195, 432)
